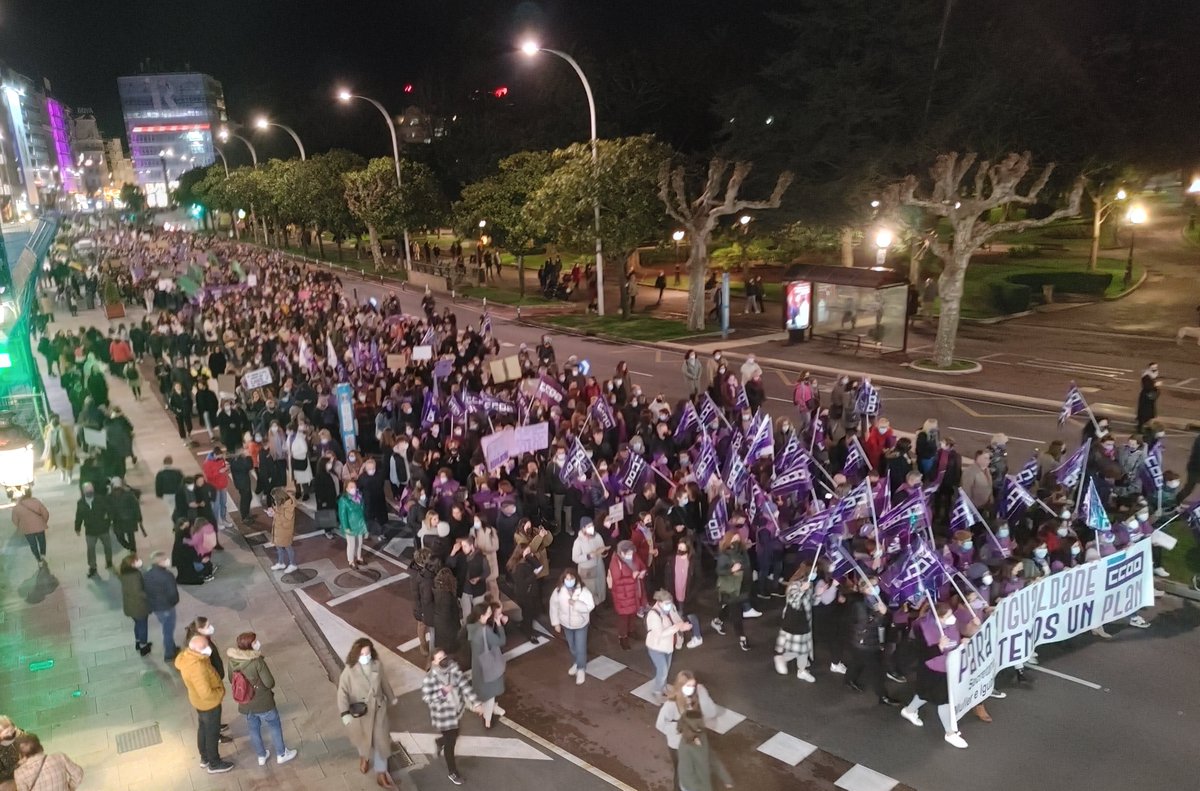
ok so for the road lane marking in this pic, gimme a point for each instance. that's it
(385, 556)
(374, 586)
(1064, 676)
(566, 756)
(300, 537)
(860, 778)
(990, 433)
(404, 648)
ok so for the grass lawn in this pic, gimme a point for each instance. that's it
(1072, 234)
(636, 328)
(1192, 234)
(1184, 560)
(772, 291)
(504, 296)
(977, 303)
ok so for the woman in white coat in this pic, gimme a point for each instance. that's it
(571, 606)
(587, 553)
(302, 474)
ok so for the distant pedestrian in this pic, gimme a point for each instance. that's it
(1147, 403)
(660, 283)
(92, 518)
(254, 690)
(32, 518)
(283, 530)
(37, 771)
(664, 631)
(162, 596)
(134, 602)
(205, 692)
(693, 373)
(631, 287)
(58, 448)
(448, 693)
(353, 522)
(363, 697)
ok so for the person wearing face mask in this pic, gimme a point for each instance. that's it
(258, 684)
(9, 757)
(470, 570)
(487, 542)
(485, 640)
(133, 601)
(626, 579)
(447, 692)
(374, 498)
(162, 596)
(353, 523)
(571, 605)
(794, 640)
(693, 373)
(664, 630)
(685, 698)
(937, 635)
(588, 554)
(93, 517)
(205, 691)
(37, 771)
(363, 697)
(526, 569)
(867, 613)
(733, 586)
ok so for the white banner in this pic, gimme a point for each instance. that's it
(509, 442)
(1052, 609)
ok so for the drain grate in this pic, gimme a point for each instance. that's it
(136, 740)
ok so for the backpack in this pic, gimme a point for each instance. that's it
(243, 690)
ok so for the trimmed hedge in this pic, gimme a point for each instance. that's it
(1094, 283)
(1009, 297)
(1024, 251)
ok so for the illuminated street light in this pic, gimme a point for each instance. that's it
(874, 204)
(1121, 194)
(677, 236)
(744, 220)
(262, 122)
(531, 48)
(883, 240)
(483, 223)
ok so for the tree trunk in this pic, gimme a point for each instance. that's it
(338, 242)
(847, 246)
(1097, 225)
(950, 291)
(521, 273)
(623, 286)
(376, 253)
(320, 244)
(697, 264)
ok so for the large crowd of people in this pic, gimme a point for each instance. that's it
(661, 502)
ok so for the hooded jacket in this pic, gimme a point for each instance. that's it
(254, 667)
(204, 687)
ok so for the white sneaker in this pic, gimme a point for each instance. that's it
(1099, 632)
(278, 567)
(580, 676)
(752, 613)
(285, 756)
(1032, 660)
(290, 569)
(574, 669)
(804, 675)
(1161, 572)
(1139, 622)
(1157, 593)
(717, 625)
(911, 716)
(837, 667)
(998, 695)
(780, 665)
(956, 740)
(695, 642)
(262, 759)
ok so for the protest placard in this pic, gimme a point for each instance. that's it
(511, 442)
(506, 369)
(259, 377)
(420, 353)
(395, 362)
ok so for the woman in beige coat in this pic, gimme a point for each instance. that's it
(487, 541)
(283, 530)
(40, 772)
(364, 690)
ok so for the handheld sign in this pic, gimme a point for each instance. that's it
(259, 377)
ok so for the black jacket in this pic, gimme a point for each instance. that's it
(125, 509)
(161, 591)
(95, 519)
(423, 594)
(167, 481)
(864, 624)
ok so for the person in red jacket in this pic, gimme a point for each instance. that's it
(120, 353)
(627, 581)
(878, 439)
(216, 474)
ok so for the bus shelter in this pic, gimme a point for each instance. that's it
(852, 307)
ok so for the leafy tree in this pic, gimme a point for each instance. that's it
(500, 200)
(189, 191)
(245, 189)
(963, 194)
(323, 193)
(133, 198)
(624, 181)
(699, 215)
(374, 198)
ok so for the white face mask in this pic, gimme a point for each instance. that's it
(208, 631)
(688, 689)
(137, 564)
(987, 579)
(206, 650)
(948, 621)
(256, 645)
(364, 659)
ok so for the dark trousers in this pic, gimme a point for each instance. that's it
(1189, 483)
(37, 545)
(105, 542)
(869, 661)
(208, 734)
(732, 614)
(141, 631)
(127, 539)
(245, 499)
(184, 424)
(447, 741)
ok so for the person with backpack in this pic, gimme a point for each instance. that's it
(253, 689)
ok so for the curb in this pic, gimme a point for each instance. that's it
(1131, 289)
(1178, 589)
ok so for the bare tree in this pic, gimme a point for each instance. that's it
(1105, 197)
(964, 200)
(699, 216)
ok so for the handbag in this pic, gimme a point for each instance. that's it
(357, 709)
(491, 661)
(299, 465)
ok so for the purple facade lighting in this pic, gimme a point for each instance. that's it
(60, 131)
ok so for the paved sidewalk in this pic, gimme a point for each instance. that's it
(99, 687)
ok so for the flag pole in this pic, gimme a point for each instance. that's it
(959, 590)
(812, 572)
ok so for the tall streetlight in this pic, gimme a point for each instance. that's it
(531, 48)
(883, 240)
(345, 96)
(262, 122)
(224, 161)
(1136, 217)
(677, 237)
(225, 134)
(162, 161)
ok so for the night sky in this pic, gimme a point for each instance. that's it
(285, 57)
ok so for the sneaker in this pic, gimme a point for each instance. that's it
(717, 625)
(292, 567)
(574, 669)
(1139, 622)
(998, 695)
(278, 567)
(285, 756)
(898, 677)
(262, 759)
(751, 613)
(455, 778)
(804, 675)
(837, 667)
(1032, 660)
(911, 716)
(203, 764)
(220, 767)
(781, 665)
(1161, 572)
(580, 676)
(1099, 632)
(743, 644)
(956, 740)
(695, 642)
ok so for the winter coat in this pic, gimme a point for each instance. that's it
(422, 586)
(571, 609)
(495, 637)
(659, 635)
(537, 545)
(366, 684)
(729, 582)
(59, 452)
(133, 594)
(977, 483)
(667, 721)
(204, 686)
(487, 541)
(118, 434)
(54, 772)
(697, 763)
(254, 668)
(162, 592)
(298, 454)
(447, 692)
(628, 593)
(30, 516)
(447, 620)
(283, 528)
(351, 517)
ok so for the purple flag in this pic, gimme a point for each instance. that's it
(1072, 405)
(548, 391)
(706, 462)
(868, 401)
(1028, 475)
(841, 562)
(485, 324)
(633, 472)
(429, 338)
(817, 432)
(737, 476)
(761, 443)
(855, 467)
(714, 529)
(964, 515)
(458, 409)
(789, 456)
(1151, 469)
(429, 410)
(808, 533)
(575, 465)
(918, 569)
(688, 420)
(1091, 510)
(883, 495)
(602, 413)
(709, 412)
(496, 406)
(1192, 515)
(797, 480)
(764, 506)
(740, 401)
(1067, 474)
(855, 505)
(1014, 501)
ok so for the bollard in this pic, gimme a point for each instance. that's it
(518, 312)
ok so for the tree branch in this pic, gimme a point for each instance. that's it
(1070, 210)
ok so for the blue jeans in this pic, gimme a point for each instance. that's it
(286, 555)
(254, 725)
(577, 645)
(694, 620)
(220, 506)
(141, 631)
(167, 619)
(662, 666)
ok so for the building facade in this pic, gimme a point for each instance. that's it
(88, 147)
(36, 132)
(171, 120)
(120, 167)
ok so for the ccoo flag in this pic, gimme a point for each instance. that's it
(1028, 475)
(965, 515)
(714, 529)
(1151, 469)
(1072, 405)
(1067, 474)
(688, 420)
(1014, 501)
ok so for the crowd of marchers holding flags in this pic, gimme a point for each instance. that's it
(887, 550)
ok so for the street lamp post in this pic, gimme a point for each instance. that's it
(531, 48)
(677, 237)
(264, 123)
(162, 161)
(1136, 217)
(883, 240)
(224, 161)
(225, 134)
(346, 96)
